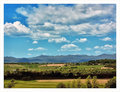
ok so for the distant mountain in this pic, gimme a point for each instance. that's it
(59, 59)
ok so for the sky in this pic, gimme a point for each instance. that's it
(59, 29)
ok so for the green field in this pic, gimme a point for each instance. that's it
(51, 83)
(50, 75)
(39, 67)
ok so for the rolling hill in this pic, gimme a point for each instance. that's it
(58, 59)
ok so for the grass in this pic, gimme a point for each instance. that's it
(38, 67)
(50, 83)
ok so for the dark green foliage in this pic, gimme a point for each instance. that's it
(111, 83)
(88, 83)
(101, 61)
(33, 71)
(61, 85)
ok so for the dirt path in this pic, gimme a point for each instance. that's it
(100, 81)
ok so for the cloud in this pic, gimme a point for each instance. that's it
(30, 49)
(63, 14)
(70, 47)
(80, 40)
(29, 54)
(83, 40)
(88, 49)
(58, 40)
(106, 39)
(94, 29)
(52, 22)
(98, 52)
(37, 49)
(96, 47)
(35, 42)
(16, 29)
(105, 47)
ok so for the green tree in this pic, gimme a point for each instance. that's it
(79, 83)
(111, 83)
(73, 84)
(94, 82)
(11, 84)
(61, 85)
(68, 85)
(88, 83)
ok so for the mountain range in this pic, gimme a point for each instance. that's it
(58, 59)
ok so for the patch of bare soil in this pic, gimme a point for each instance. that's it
(53, 65)
(106, 68)
(100, 81)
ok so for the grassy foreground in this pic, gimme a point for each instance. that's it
(52, 83)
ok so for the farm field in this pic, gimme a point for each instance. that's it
(51, 75)
(51, 83)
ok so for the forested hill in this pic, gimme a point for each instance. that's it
(59, 59)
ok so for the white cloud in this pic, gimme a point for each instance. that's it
(30, 49)
(98, 52)
(37, 49)
(80, 40)
(16, 29)
(58, 40)
(88, 49)
(63, 14)
(40, 48)
(96, 47)
(70, 47)
(94, 29)
(106, 39)
(54, 21)
(29, 54)
(105, 47)
(83, 40)
(35, 42)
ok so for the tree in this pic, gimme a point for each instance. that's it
(88, 83)
(78, 83)
(94, 82)
(68, 85)
(111, 83)
(73, 84)
(61, 85)
(11, 84)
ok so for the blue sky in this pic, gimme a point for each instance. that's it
(33, 30)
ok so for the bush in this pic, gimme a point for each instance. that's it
(11, 84)
(73, 84)
(88, 83)
(94, 82)
(78, 83)
(61, 85)
(111, 83)
(68, 85)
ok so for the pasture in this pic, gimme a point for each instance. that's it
(52, 83)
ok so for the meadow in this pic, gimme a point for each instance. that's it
(59, 75)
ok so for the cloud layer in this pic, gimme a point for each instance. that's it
(53, 21)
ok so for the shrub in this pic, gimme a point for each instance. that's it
(78, 83)
(61, 85)
(94, 82)
(88, 83)
(111, 83)
(11, 84)
(68, 85)
(73, 84)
